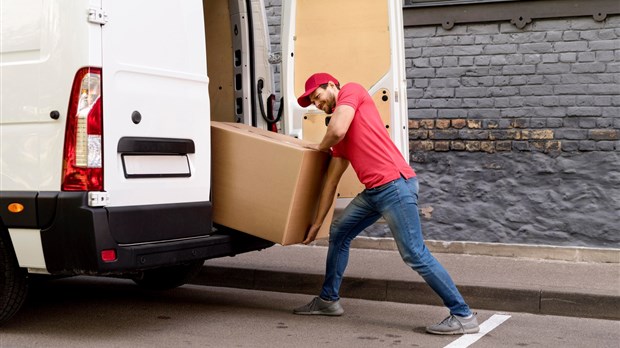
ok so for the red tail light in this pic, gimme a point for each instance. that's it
(83, 153)
(108, 255)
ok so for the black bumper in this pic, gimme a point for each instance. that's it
(143, 237)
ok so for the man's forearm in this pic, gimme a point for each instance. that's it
(325, 203)
(338, 127)
(330, 139)
(336, 168)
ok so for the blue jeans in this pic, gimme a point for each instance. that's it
(397, 203)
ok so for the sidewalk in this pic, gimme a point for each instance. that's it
(567, 288)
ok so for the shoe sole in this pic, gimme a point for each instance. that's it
(467, 331)
(332, 314)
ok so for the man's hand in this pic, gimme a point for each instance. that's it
(337, 166)
(312, 232)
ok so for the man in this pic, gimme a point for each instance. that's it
(356, 135)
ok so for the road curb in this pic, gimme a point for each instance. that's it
(536, 301)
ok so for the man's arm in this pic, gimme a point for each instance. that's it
(338, 126)
(336, 168)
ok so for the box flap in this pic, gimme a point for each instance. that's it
(259, 132)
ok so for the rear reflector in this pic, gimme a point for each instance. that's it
(108, 255)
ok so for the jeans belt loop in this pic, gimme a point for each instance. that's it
(380, 186)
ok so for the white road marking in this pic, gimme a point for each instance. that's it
(466, 340)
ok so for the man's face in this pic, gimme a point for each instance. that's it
(324, 99)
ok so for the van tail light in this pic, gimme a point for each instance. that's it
(82, 168)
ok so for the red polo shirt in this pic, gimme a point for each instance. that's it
(367, 144)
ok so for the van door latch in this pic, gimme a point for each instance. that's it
(97, 15)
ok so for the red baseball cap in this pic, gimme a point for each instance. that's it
(312, 83)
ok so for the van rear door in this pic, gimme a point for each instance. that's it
(238, 51)
(355, 43)
(156, 121)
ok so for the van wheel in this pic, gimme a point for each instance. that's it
(166, 278)
(13, 280)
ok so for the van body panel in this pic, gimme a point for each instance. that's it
(28, 248)
(42, 48)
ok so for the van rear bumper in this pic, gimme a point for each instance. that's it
(77, 234)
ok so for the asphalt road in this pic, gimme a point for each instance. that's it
(95, 312)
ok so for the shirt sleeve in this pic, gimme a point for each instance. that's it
(337, 151)
(350, 95)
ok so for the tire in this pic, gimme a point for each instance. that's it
(13, 280)
(167, 278)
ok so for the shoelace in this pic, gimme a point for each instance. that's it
(452, 318)
(315, 305)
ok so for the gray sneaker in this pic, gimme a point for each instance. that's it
(319, 306)
(455, 325)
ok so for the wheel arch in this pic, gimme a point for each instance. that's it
(14, 283)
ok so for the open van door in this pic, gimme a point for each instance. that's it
(238, 51)
(354, 42)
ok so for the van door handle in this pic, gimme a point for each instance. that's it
(146, 145)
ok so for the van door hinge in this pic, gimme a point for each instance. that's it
(98, 16)
(275, 58)
(98, 199)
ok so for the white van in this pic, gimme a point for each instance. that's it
(105, 164)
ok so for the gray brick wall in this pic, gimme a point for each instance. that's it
(514, 133)
(559, 74)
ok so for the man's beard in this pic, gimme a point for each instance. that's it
(328, 107)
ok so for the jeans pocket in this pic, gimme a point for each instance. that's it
(414, 185)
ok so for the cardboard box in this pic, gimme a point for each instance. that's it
(266, 184)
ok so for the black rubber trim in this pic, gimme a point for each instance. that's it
(146, 223)
(27, 218)
(144, 237)
(39, 208)
(46, 208)
(144, 145)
